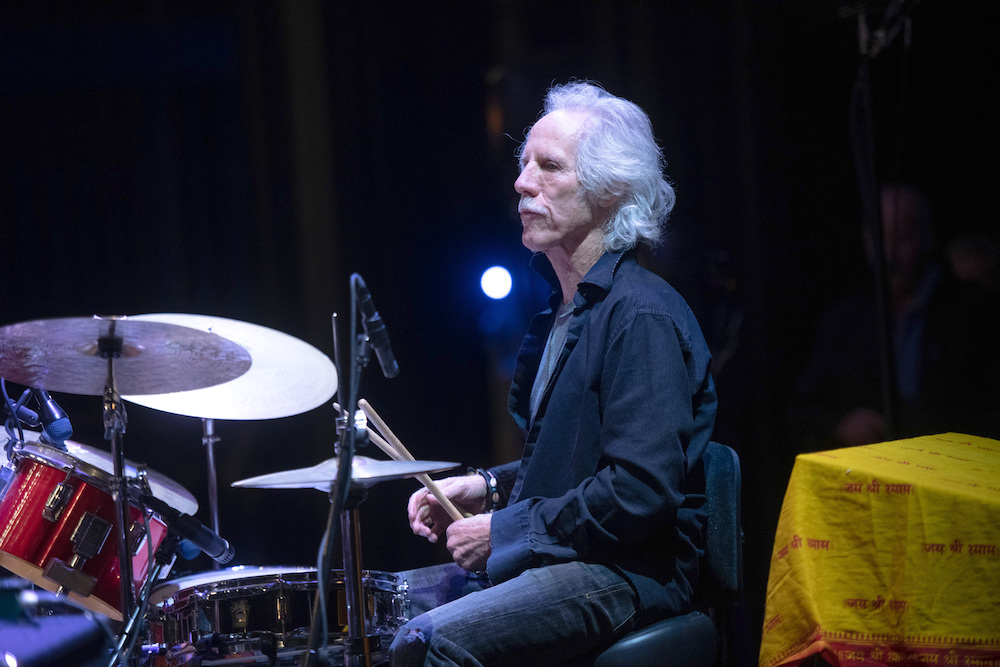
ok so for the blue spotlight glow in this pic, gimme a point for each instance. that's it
(496, 282)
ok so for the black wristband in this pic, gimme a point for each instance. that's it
(492, 492)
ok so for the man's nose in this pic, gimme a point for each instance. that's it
(526, 183)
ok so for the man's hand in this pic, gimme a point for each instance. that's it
(427, 517)
(469, 542)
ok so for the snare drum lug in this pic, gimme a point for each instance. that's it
(281, 609)
(88, 540)
(141, 481)
(57, 501)
(89, 536)
(240, 614)
(69, 577)
(136, 534)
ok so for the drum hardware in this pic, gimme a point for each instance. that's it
(162, 559)
(136, 537)
(88, 539)
(138, 487)
(357, 646)
(276, 605)
(135, 356)
(57, 499)
(28, 541)
(208, 440)
(110, 347)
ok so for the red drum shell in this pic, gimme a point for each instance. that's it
(28, 541)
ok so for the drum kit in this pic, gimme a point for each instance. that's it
(103, 530)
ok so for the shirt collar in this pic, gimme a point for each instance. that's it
(595, 283)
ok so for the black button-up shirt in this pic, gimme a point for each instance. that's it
(611, 468)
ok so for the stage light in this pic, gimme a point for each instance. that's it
(496, 282)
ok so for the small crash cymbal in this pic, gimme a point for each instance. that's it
(288, 376)
(69, 355)
(364, 472)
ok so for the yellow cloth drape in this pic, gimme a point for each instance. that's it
(889, 554)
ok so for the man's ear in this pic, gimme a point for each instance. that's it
(608, 202)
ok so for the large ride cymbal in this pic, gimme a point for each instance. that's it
(364, 472)
(69, 355)
(288, 376)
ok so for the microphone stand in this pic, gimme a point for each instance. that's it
(357, 650)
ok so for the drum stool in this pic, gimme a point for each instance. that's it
(698, 639)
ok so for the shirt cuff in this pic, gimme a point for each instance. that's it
(509, 553)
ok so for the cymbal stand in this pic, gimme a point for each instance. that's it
(208, 439)
(115, 422)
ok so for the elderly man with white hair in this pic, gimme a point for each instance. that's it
(597, 529)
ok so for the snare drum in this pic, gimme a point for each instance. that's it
(235, 607)
(58, 504)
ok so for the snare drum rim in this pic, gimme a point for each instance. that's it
(206, 585)
(80, 461)
(230, 577)
(53, 457)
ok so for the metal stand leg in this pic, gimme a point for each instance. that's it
(357, 651)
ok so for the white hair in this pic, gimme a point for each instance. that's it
(617, 158)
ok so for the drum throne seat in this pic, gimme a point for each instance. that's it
(699, 639)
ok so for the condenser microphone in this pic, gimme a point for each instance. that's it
(375, 330)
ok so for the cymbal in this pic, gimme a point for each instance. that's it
(65, 355)
(364, 472)
(288, 376)
(163, 487)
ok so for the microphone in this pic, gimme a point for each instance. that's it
(375, 330)
(23, 413)
(56, 428)
(191, 530)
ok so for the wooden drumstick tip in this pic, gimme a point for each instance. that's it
(396, 451)
(384, 428)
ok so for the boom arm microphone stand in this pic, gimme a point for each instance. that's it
(357, 650)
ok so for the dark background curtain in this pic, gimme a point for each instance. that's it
(240, 159)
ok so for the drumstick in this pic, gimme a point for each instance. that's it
(422, 477)
(384, 428)
(398, 452)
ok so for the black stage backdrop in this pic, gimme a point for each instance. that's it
(241, 159)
